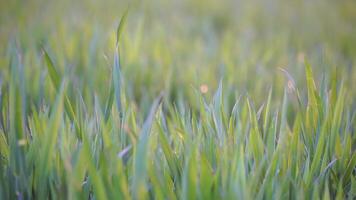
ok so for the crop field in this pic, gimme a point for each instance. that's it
(178, 99)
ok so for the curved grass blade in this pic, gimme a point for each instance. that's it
(140, 166)
(109, 103)
(55, 77)
(121, 25)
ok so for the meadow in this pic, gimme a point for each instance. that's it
(180, 99)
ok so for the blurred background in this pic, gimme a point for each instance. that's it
(180, 46)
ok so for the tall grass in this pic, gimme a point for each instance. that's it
(144, 129)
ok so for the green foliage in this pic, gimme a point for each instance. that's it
(192, 105)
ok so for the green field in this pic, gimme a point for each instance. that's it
(178, 99)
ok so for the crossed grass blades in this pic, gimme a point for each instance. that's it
(71, 150)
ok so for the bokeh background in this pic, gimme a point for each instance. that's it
(180, 45)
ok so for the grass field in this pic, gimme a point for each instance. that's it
(181, 99)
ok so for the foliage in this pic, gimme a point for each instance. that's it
(203, 100)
